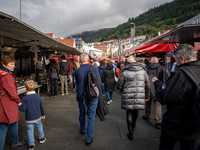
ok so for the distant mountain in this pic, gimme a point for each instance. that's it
(162, 18)
(89, 36)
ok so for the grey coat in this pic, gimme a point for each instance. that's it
(53, 71)
(134, 85)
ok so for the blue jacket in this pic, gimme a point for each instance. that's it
(81, 75)
(33, 106)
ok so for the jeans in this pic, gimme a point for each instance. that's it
(30, 131)
(102, 87)
(13, 133)
(63, 81)
(167, 142)
(54, 82)
(91, 111)
(109, 96)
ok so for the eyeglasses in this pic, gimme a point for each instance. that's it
(176, 52)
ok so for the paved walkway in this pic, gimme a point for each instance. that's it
(61, 128)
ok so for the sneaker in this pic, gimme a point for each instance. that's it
(145, 118)
(55, 96)
(108, 103)
(62, 94)
(31, 147)
(42, 140)
(18, 144)
(66, 93)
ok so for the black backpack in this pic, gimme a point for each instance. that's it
(192, 120)
(92, 85)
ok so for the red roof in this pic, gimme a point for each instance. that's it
(50, 34)
(100, 44)
(69, 42)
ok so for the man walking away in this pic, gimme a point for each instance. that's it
(154, 70)
(179, 94)
(64, 69)
(84, 103)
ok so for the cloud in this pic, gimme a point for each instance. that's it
(66, 17)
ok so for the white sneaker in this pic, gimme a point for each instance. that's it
(66, 93)
(42, 140)
(62, 94)
(108, 103)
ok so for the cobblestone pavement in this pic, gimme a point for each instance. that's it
(61, 127)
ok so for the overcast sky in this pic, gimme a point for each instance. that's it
(76, 16)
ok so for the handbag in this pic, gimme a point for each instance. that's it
(116, 79)
(2, 94)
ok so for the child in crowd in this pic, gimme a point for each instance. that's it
(33, 106)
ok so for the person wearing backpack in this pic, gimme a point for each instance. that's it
(155, 70)
(86, 106)
(181, 121)
(63, 73)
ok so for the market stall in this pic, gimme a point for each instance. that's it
(28, 45)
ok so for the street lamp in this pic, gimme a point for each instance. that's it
(134, 32)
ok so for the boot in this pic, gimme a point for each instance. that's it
(130, 136)
(129, 124)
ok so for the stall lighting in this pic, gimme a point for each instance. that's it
(56, 52)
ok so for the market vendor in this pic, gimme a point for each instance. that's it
(9, 100)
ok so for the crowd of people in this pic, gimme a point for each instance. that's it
(140, 83)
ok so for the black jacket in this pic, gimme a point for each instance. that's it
(102, 109)
(101, 69)
(153, 70)
(64, 68)
(177, 93)
(108, 78)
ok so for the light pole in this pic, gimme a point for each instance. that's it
(119, 46)
(20, 9)
(134, 33)
(111, 49)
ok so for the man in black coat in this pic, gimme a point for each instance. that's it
(154, 70)
(178, 93)
(63, 73)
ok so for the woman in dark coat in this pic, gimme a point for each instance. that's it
(109, 81)
(53, 74)
(103, 64)
(9, 112)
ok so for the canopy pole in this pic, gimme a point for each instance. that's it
(1, 48)
(36, 56)
(44, 64)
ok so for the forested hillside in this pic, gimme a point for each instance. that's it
(162, 18)
(89, 36)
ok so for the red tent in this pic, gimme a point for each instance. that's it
(150, 49)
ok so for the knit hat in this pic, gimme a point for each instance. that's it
(131, 59)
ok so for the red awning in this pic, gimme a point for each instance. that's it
(150, 48)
